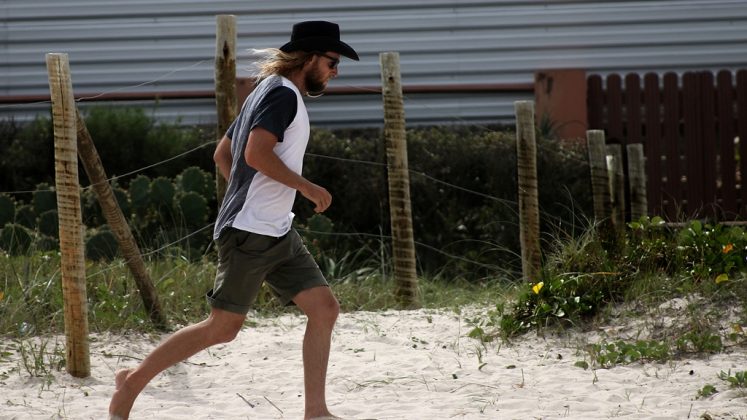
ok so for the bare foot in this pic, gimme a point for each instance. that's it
(122, 399)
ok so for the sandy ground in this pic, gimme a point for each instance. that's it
(384, 365)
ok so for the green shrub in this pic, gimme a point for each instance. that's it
(569, 297)
(27, 156)
(119, 134)
(650, 246)
(712, 251)
(445, 162)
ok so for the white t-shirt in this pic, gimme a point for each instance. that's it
(253, 201)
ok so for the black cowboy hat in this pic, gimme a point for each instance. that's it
(318, 35)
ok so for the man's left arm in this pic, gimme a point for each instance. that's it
(223, 158)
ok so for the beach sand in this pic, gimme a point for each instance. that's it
(384, 365)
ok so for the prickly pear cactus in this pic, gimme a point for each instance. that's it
(123, 200)
(15, 239)
(25, 216)
(194, 179)
(49, 223)
(193, 208)
(92, 215)
(140, 195)
(101, 245)
(44, 198)
(45, 243)
(162, 192)
(7, 210)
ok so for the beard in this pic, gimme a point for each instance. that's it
(315, 83)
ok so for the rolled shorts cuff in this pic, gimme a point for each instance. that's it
(230, 307)
(287, 299)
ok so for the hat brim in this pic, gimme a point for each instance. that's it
(321, 43)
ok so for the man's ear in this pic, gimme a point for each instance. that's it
(310, 60)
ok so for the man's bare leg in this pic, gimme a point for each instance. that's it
(321, 308)
(220, 327)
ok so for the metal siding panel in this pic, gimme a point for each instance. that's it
(167, 45)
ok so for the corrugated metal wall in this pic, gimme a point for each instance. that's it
(168, 45)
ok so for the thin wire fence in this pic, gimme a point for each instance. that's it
(511, 204)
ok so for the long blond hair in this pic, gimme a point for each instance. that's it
(273, 61)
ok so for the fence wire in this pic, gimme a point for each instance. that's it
(512, 205)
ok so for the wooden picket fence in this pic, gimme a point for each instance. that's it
(694, 132)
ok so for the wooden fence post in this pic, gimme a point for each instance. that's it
(617, 185)
(118, 223)
(637, 178)
(526, 156)
(225, 84)
(600, 189)
(70, 218)
(403, 243)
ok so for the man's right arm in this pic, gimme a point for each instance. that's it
(260, 155)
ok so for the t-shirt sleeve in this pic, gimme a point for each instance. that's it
(231, 128)
(276, 111)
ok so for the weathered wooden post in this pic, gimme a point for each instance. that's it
(601, 187)
(117, 222)
(70, 218)
(403, 242)
(600, 184)
(617, 185)
(225, 83)
(526, 157)
(637, 178)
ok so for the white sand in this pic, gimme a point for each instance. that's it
(387, 365)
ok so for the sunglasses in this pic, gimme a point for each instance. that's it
(333, 61)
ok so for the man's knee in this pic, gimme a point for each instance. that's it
(326, 312)
(224, 326)
(319, 305)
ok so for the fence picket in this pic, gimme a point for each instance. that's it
(595, 101)
(742, 131)
(708, 145)
(726, 132)
(614, 109)
(633, 108)
(652, 145)
(673, 187)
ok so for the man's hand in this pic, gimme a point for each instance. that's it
(317, 195)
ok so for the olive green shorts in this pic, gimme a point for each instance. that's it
(245, 260)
